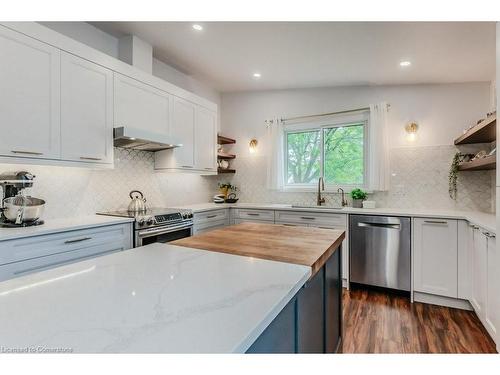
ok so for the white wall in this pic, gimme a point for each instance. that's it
(442, 111)
(419, 170)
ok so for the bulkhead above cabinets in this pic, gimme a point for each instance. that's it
(60, 101)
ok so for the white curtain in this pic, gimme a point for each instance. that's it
(275, 174)
(378, 178)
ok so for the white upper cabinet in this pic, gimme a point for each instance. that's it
(183, 119)
(29, 97)
(205, 140)
(435, 256)
(86, 111)
(195, 127)
(141, 106)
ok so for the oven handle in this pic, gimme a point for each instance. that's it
(151, 232)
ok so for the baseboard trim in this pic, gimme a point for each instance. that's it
(442, 301)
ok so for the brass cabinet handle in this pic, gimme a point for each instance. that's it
(308, 218)
(252, 214)
(26, 152)
(211, 216)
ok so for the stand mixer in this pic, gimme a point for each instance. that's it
(17, 209)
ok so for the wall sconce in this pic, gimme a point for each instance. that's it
(411, 131)
(252, 146)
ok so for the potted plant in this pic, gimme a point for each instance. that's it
(226, 188)
(358, 196)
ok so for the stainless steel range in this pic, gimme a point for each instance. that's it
(158, 224)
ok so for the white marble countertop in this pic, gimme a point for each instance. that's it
(485, 220)
(156, 298)
(61, 225)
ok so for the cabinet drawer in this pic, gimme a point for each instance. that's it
(251, 214)
(313, 218)
(207, 226)
(210, 216)
(64, 243)
(17, 269)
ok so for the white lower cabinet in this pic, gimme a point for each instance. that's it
(492, 310)
(20, 257)
(479, 271)
(435, 256)
(210, 220)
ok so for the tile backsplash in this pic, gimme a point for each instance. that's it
(71, 191)
(419, 178)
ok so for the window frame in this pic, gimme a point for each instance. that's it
(343, 121)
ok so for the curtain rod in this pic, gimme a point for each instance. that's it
(327, 114)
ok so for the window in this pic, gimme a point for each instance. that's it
(335, 152)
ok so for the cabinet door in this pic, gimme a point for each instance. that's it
(205, 140)
(183, 121)
(479, 270)
(86, 111)
(141, 106)
(29, 97)
(492, 306)
(435, 257)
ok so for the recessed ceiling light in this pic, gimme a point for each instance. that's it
(405, 63)
(256, 75)
(197, 27)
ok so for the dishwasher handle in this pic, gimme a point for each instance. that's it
(379, 225)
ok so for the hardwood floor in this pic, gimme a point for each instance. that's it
(378, 322)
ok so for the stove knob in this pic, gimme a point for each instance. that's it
(150, 222)
(141, 222)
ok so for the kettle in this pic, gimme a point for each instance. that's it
(138, 203)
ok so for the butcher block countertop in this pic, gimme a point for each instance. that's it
(297, 245)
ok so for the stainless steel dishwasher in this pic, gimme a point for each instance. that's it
(380, 251)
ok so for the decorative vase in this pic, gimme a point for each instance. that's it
(357, 203)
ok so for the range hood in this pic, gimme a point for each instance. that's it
(138, 139)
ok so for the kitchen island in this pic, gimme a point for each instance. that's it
(312, 321)
(158, 298)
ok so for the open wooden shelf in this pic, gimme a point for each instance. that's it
(220, 170)
(484, 132)
(487, 163)
(225, 140)
(225, 156)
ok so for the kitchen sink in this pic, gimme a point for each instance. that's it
(321, 207)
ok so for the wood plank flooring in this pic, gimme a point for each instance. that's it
(379, 322)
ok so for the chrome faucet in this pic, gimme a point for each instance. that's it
(321, 186)
(344, 201)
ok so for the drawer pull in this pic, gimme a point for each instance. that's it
(26, 152)
(186, 166)
(252, 214)
(435, 222)
(89, 158)
(208, 168)
(211, 216)
(308, 218)
(78, 240)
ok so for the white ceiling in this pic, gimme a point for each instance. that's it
(315, 54)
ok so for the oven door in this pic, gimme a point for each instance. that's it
(165, 234)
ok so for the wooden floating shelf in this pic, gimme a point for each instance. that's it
(220, 170)
(487, 163)
(225, 140)
(226, 156)
(484, 132)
